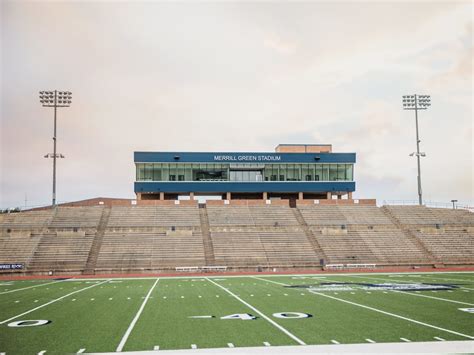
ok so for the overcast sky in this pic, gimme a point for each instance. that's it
(235, 76)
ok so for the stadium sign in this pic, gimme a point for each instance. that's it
(11, 266)
(245, 158)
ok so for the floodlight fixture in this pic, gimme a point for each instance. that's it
(55, 99)
(417, 102)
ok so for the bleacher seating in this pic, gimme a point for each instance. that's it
(57, 251)
(241, 236)
(150, 250)
(154, 216)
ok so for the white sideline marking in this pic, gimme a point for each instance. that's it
(41, 352)
(25, 288)
(135, 320)
(81, 351)
(50, 302)
(370, 341)
(193, 346)
(432, 297)
(230, 345)
(266, 343)
(156, 347)
(335, 342)
(380, 311)
(405, 340)
(438, 338)
(292, 336)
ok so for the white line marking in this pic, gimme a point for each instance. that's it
(292, 336)
(405, 340)
(25, 288)
(193, 346)
(135, 320)
(156, 347)
(438, 338)
(414, 294)
(200, 317)
(81, 351)
(50, 302)
(266, 343)
(370, 341)
(335, 342)
(41, 352)
(380, 311)
(230, 345)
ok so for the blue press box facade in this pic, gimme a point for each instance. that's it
(244, 174)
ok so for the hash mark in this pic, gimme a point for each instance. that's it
(335, 342)
(156, 347)
(266, 343)
(230, 345)
(438, 338)
(370, 341)
(193, 346)
(405, 340)
(81, 351)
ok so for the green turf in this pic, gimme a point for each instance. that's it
(95, 314)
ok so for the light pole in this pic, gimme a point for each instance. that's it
(55, 99)
(454, 201)
(417, 102)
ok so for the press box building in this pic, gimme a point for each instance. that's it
(293, 171)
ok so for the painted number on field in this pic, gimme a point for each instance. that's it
(28, 323)
(242, 316)
(469, 310)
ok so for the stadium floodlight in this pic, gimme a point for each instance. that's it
(55, 99)
(417, 102)
(453, 202)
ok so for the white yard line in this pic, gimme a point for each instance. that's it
(380, 311)
(53, 301)
(291, 335)
(25, 288)
(135, 320)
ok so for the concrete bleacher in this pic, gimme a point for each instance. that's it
(30, 220)
(238, 237)
(154, 216)
(76, 217)
(251, 216)
(343, 215)
(61, 252)
(150, 250)
(17, 248)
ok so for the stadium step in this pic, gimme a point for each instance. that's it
(97, 243)
(309, 234)
(206, 236)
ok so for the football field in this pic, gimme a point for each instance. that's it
(134, 314)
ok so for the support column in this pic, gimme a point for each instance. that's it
(191, 196)
(329, 196)
(139, 196)
(162, 196)
(265, 196)
(228, 196)
(300, 195)
(349, 195)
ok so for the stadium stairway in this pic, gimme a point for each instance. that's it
(309, 234)
(405, 230)
(97, 242)
(206, 236)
